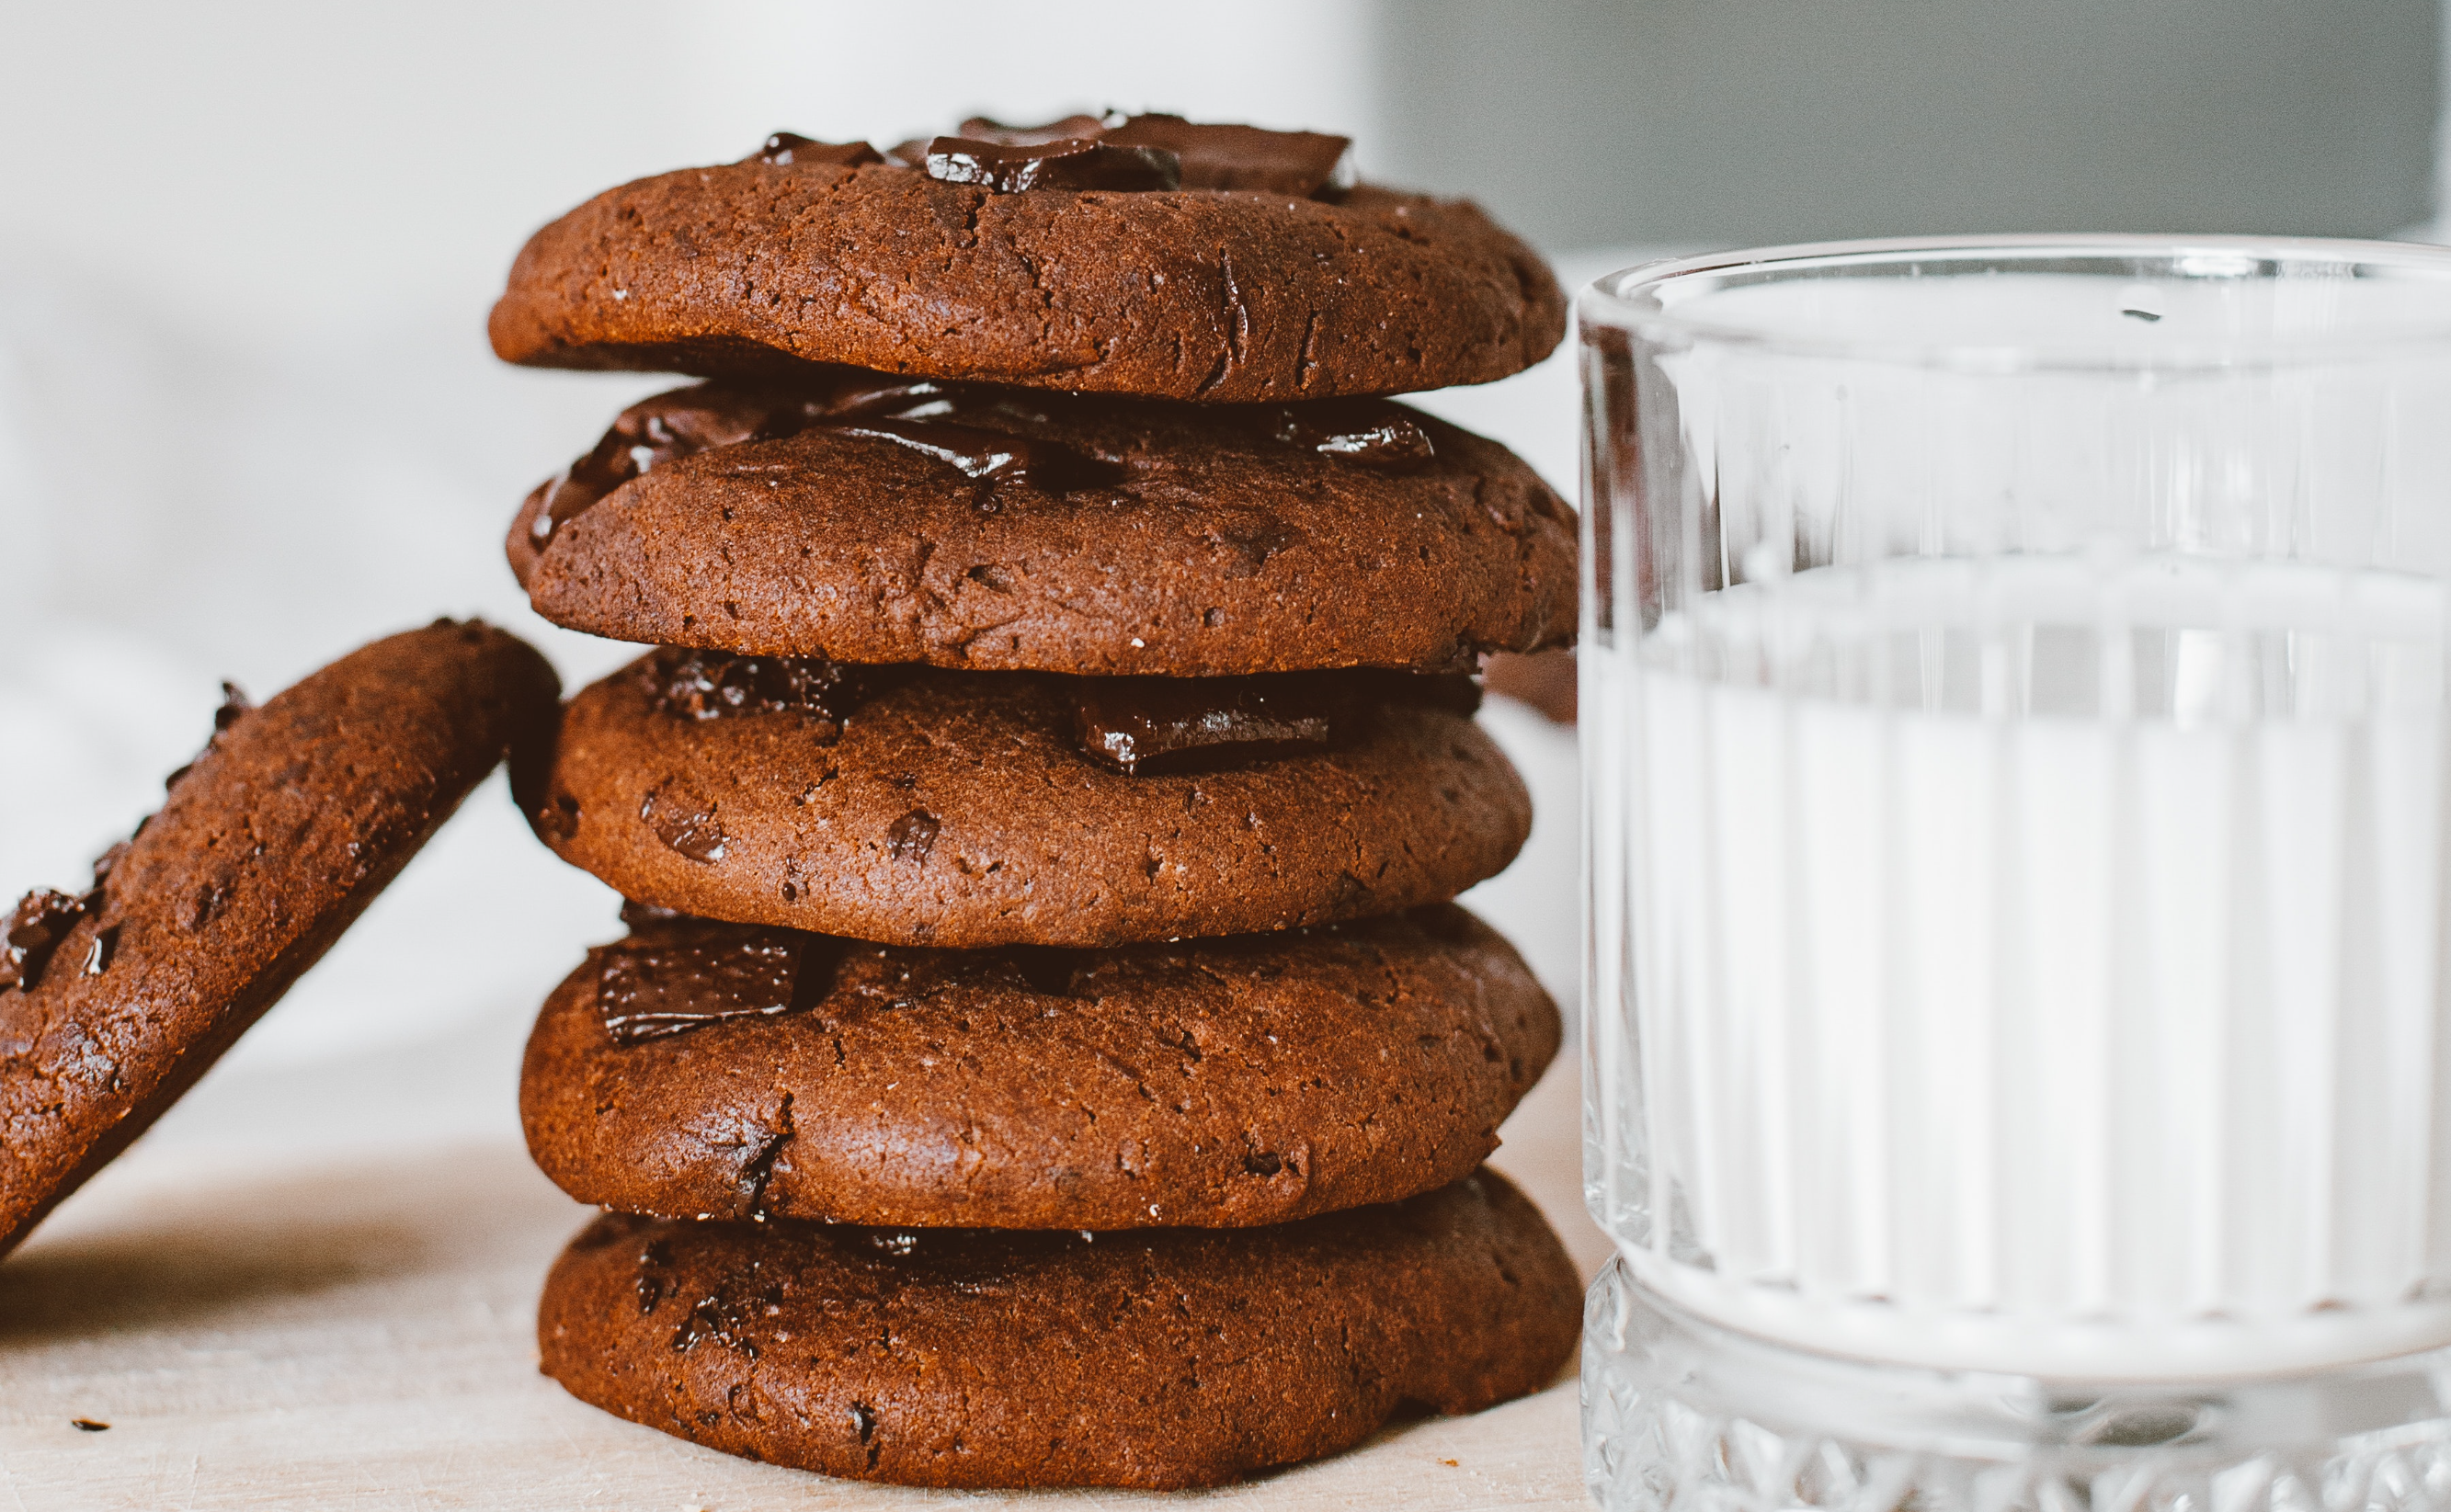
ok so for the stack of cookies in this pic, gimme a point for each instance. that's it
(1044, 1052)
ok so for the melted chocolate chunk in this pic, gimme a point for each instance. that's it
(41, 920)
(655, 431)
(1067, 162)
(785, 149)
(1142, 726)
(235, 705)
(980, 129)
(685, 822)
(682, 978)
(713, 684)
(907, 412)
(910, 837)
(989, 456)
(1308, 164)
(1375, 435)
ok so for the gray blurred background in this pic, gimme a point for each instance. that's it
(248, 417)
(1731, 122)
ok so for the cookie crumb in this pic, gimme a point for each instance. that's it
(88, 1425)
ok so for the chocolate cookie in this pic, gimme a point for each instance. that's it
(877, 519)
(113, 1002)
(1067, 265)
(960, 1358)
(918, 807)
(700, 1070)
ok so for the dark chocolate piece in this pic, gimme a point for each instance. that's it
(1069, 162)
(905, 411)
(650, 989)
(658, 430)
(710, 685)
(989, 456)
(1140, 725)
(41, 920)
(1311, 165)
(685, 822)
(787, 148)
(1372, 434)
(1147, 724)
(982, 129)
(910, 837)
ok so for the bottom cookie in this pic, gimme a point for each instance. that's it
(1155, 1359)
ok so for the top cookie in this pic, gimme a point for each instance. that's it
(1250, 281)
(112, 1003)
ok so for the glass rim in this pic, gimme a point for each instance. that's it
(1628, 298)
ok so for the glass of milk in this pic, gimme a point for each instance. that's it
(2019, 989)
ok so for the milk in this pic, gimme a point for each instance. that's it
(2030, 963)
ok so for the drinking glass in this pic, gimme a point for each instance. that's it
(2013, 688)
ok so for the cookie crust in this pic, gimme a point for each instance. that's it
(1218, 295)
(1217, 1083)
(1214, 549)
(1163, 1359)
(955, 809)
(267, 847)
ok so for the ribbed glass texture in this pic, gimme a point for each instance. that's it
(2013, 689)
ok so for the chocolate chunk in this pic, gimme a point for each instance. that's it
(1308, 164)
(910, 837)
(41, 920)
(980, 129)
(684, 821)
(658, 430)
(787, 148)
(1147, 724)
(711, 685)
(98, 955)
(557, 820)
(234, 706)
(1069, 162)
(906, 411)
(1143, 725)
(1375, 435)
(655, 988)
(989, 456)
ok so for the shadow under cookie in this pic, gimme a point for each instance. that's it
(699, 1070)
(1161, 1359)
(962, 808)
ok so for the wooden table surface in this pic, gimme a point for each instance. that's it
(354, 1328)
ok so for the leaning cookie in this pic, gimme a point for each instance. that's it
(919, 807)
(699, 1070)
(1161, 1359)
(1075, 264)
(268, 845)
(870, 518)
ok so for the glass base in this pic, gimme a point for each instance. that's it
(1682, 1414)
